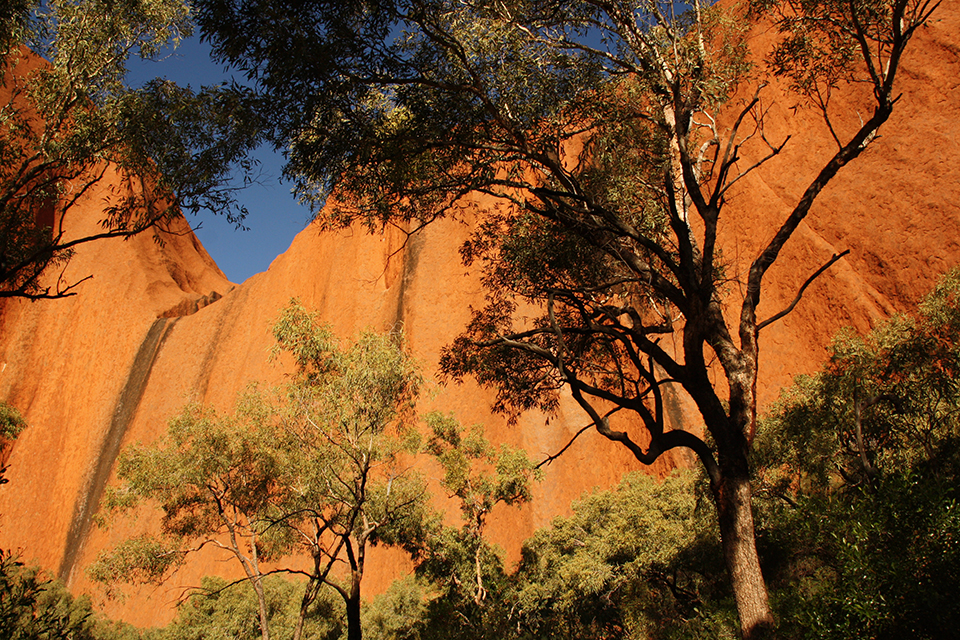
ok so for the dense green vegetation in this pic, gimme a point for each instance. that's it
(11, 424)
(859, 478)
(35, 607)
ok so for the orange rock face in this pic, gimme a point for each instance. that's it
(159, 326)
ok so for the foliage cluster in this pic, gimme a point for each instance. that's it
(464, 573)
(69, 121)
(638, 561)
(859, 472)
(11, 425)
(11, 422)
(210, 475)
(35, 607)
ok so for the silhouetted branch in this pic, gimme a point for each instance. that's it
(803, 287)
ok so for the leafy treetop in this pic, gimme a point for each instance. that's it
(69, 122)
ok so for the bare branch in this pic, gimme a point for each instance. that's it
(816, 274)
(549, 459)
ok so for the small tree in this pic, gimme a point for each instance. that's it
(351, 416)
(68, 123)
(465, 566)
(323, 471)
(480, 477)
(219, 481)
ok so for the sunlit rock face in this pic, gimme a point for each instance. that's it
(159, 325)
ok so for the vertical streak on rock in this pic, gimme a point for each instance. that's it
(411, 260)
(227, 319)
(88, 499)
(676, 418)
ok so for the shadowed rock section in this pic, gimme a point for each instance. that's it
(88, 500)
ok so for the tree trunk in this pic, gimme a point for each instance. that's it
(354, 631)
(262, 606)
(352, 597)
(309, 595)
(735, 513)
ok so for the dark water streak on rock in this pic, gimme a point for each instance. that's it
(88, 500)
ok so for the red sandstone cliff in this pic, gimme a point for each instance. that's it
(111, 365)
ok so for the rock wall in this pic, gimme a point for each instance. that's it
(159, 325)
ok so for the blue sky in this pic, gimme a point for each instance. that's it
(275, 216)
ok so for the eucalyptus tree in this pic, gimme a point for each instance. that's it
(461, 564)
(479, 477)
(322, 471)
(594, 129)
(69, 124)
(352, 425)
(219, 479)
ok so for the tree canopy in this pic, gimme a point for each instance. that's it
(70, 123)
